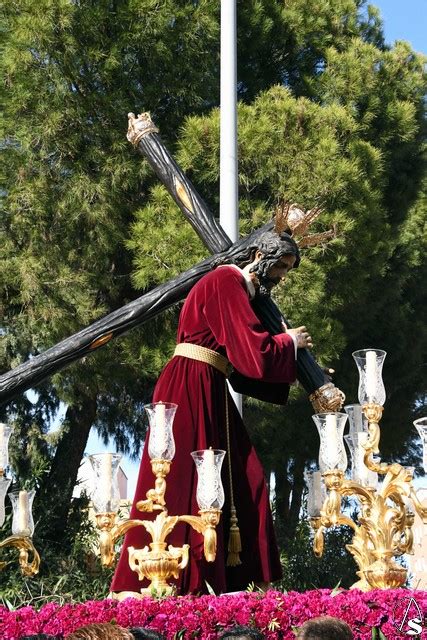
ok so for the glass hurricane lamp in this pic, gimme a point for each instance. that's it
(421, 426)
(106, 496)
(5, 433)
(22, 519)
(4, 486)
(316, 493)
(356, 418)
(332, 453)
(161, 444)
(359, 471)
(370, 365)
(210, 492)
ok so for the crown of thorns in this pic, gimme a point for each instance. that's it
(292, 219)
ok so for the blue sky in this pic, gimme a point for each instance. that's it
(402, 20)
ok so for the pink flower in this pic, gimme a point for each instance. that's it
(204, 617)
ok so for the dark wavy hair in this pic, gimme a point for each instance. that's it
(273, 246)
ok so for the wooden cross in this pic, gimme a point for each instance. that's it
(143, 134)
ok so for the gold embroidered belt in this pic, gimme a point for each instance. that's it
(196, 352)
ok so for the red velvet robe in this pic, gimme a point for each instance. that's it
(217, 314)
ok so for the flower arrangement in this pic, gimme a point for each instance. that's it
(275, 614)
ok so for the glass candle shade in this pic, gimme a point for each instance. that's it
(4, 486)
(106, 496)
(356, 418)
(210, 492)
(359, 471)
(316, 493)
(332, 453)
(22, 520)
(5, 432)
(161, 445)
(421, 426)
(370, 365)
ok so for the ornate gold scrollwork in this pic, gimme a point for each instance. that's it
(384, 528)
(157, 562)
(25, 546)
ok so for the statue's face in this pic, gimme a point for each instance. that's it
(282, 267)
(264, 279)
(276, 273)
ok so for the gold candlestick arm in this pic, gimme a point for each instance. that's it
(156, 563)
(205, 524)
(25, 546)
(109, 532)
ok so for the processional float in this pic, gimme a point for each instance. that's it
(158, 563)
(143, 134)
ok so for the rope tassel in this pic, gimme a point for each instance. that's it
(234, 541)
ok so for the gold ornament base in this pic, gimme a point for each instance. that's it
(158, 565)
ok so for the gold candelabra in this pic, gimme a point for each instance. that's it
(22, 523)
(384, 527)
(159, 562)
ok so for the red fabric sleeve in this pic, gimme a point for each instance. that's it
(251, 350)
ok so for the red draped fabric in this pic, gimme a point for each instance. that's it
(217, 314)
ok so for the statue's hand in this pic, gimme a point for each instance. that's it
(302, 336)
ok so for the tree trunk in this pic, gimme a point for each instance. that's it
(297, 491)
(58, 489)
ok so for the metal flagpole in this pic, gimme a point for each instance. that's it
(228, 194)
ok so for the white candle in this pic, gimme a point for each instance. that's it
(161, 438)
(371, 375)
(209, 474)
(331, 437)
(23, 514)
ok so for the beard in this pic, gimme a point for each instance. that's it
(266, 282)
(265, 285)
